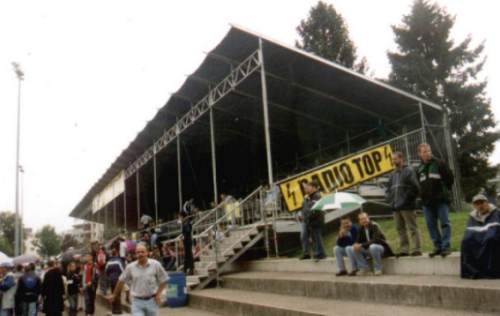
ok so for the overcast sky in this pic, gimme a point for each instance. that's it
(96, 71)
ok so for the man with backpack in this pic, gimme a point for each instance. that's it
(29, 288)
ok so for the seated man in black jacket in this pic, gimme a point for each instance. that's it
(370, 242)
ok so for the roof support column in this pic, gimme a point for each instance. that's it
(266, 114)
(179, 170)
(138, 198)
(114, 213)
(422, 122)
(155, 187)
(214, 158)
(125, 205)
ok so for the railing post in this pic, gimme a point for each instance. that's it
(264, 221)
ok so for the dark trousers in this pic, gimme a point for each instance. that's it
(188, 253)
(73, 304)
(116, 306)
(89, 295)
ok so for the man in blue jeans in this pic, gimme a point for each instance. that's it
(435, 179)
(146, 279)
(348, 234)
(313, 221)
(370, 242)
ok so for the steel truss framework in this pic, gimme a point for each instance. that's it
(225, 86)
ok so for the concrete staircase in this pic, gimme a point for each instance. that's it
(410, 286)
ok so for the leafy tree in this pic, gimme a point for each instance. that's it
(47, 242)
(6, 247)
(325, 33)
(430, 64)
(7, 231)
(67, 241)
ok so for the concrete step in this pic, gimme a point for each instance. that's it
(201, 265)
(422, 265)
(242, 303)
(431, 291)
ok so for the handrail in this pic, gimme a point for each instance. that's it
(205, 232)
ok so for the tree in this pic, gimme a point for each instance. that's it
(430, 64)
(6, 247)
(47, 242)
(325, 33)
(7, 231)
(67, 241)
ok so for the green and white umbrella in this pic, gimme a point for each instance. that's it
(339, 201)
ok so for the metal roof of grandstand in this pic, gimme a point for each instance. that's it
(286, 67)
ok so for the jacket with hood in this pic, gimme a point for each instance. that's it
(402, 189)
(476, 219)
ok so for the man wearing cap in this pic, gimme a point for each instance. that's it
(480, 254)
(146, 279)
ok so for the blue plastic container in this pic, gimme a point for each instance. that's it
(176, 289)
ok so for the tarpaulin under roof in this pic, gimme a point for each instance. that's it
(299, 84)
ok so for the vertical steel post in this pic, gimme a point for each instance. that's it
(422, 122)
(114, 212)
(125, 205)
(407, 148)
(17, 229)
(214, 157)
(179, 170)
(138, 199)
(265, 109)
(155, 184)
(456, 192)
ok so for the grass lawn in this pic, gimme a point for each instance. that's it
(458, 222)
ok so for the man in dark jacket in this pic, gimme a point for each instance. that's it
(29, 287)
(435, 179)
(73, 281)
(402, 191)
(114, 268)
(348, 234)
(187, 238)
(370, 242)
(53, 291)
(313, 220)
(480, 253)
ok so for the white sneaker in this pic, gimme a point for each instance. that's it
(378, 273)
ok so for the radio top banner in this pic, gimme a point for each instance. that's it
(338, 175)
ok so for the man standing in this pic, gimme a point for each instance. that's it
(435, 179)
(402, 191)
(313, 220)
(7, 291)
(89, 285)
(73, 280)
(146, 279)
(370, 242)
(114, 268)
(187, 238)
(53, 291)
(29, 287)
(480, 253)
